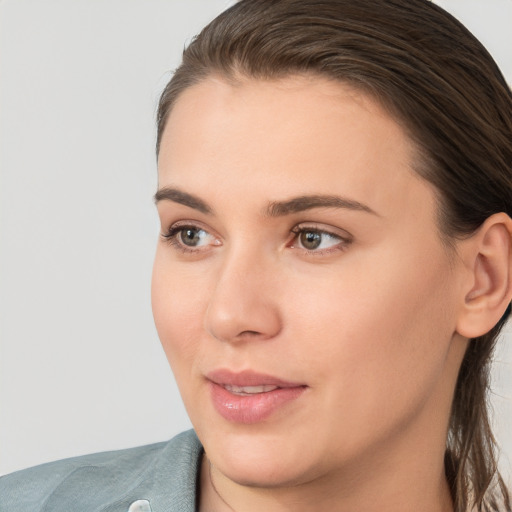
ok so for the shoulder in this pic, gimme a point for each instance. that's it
(164, 474)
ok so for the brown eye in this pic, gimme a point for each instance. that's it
(191, 236)
(310, 239)
(318, 241)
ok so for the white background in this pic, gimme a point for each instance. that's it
(81, 368)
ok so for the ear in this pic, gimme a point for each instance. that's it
(487, 283)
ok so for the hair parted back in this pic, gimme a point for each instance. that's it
(446, 91)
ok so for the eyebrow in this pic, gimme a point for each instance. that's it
(274, 209)
(178, 196)
(303, 203)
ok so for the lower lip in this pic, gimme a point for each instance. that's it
(251, 408)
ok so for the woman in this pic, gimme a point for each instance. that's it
(335, 192)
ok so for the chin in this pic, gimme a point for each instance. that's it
(261, 460)
(268, 474)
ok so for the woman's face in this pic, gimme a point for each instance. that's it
(301, 291)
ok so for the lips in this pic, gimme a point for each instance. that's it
(250, 397)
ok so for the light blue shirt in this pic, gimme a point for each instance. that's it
(160, 477)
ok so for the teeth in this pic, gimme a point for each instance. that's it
(249, 390)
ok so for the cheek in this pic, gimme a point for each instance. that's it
(379, 329)
(177, 310)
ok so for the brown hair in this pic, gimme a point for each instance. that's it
(445, 89)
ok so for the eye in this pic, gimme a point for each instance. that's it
(189, 238)
(192, 237)
(313, 239)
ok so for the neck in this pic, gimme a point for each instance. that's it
(378, 489)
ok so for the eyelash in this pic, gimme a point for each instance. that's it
(171, 237)
(341, 245)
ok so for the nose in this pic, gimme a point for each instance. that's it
(244, 305)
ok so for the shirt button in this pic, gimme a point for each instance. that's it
(140, 506)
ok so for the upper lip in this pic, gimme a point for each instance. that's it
(225, 377)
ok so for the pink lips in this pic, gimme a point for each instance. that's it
(250, 397)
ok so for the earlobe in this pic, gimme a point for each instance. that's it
(488, 292)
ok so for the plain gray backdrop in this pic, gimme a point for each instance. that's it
(81, 367)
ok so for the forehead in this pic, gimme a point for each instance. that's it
(288, 136)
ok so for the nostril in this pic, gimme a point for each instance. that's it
(249, 333)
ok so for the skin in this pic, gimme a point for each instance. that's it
(367, 321)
